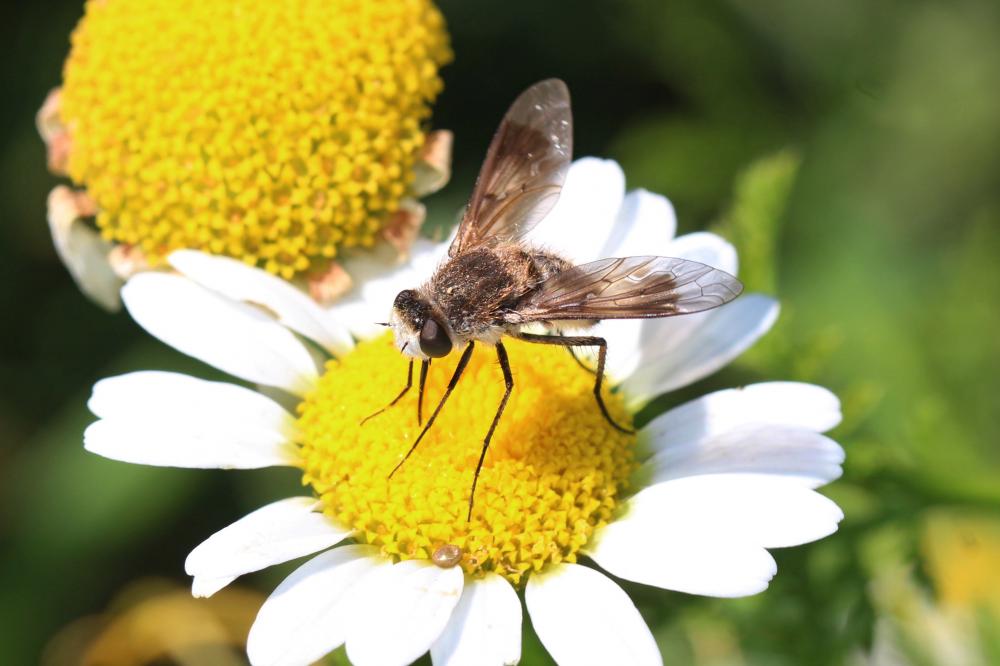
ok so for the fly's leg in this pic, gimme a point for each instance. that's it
(572, 352)
(409, 383)
(424, 367)
(582, 341)
(459, 369)
(508, 380)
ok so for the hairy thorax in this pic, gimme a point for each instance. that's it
(478, 291)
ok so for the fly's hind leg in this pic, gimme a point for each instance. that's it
(582, 341)
(572, 352)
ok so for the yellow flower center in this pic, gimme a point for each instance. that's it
(276, 132)
(554, 473)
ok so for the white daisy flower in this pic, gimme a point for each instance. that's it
(691, 502)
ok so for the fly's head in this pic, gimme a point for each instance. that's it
(420, 331)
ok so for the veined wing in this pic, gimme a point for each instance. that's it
(524, 169)
(630, 288)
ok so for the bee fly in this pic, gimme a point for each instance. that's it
(493, 283)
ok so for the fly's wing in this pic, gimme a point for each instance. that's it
(524, 169)
(630, 288)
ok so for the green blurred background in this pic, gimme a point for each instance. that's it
(851, 150)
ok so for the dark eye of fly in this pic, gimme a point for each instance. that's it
(434, 341)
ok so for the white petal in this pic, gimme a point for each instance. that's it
(183, 445)
(361, 316)
(202, 586)
(308, 615)
(403, 614)
(82, 250)
(645, 225)
(759, 509)
(677, 351)
(485, 628)
(706, 248)
(167, 396)
(582, 617)
(233, 337)
(665, 556)
(579, 225)
(169, 419)
(766, 428)
(781, 451)
(276, 533)
(792, 404)
(707, 534)
(378, 279)
(240, 282)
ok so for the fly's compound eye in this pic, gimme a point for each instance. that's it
(434, 341)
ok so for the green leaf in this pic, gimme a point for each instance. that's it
(753, 221)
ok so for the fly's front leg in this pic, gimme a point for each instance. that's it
(409, 383)
(508, 380)
(459, 369)
(424, 367)
(582, 341)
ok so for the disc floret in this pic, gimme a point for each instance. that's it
(554, 474)
(278, 133)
